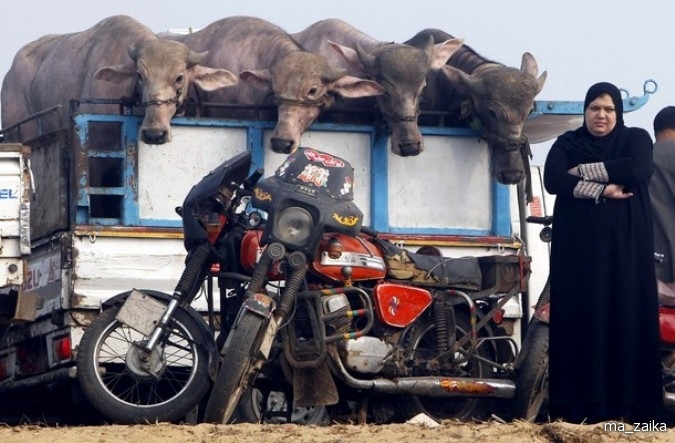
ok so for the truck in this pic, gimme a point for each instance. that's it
(87, 211)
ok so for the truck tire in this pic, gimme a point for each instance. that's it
(240, 364)
(113, 382)
(532, 373)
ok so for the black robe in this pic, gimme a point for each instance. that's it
(604, 337)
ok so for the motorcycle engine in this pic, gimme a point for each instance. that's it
(365, 355)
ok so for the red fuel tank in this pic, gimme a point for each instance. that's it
(338, 251)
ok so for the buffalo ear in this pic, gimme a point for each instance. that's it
(210, 79)
(116, 74)
(465, 83)
(350, 56)
(258, 77)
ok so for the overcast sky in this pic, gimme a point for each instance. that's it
(579, 42)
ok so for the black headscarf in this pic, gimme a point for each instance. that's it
(597, 90)
(586, 146)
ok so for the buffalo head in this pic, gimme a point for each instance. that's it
(303, 85)
(500, 99)
(402, 70)
(162, 71)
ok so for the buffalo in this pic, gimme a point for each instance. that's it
(274, 69)
(488, 96)
(400, 68)
(116, 58)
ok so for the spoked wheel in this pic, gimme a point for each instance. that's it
(422, 341)
(113, 378)
(240, 364)
(532, 373)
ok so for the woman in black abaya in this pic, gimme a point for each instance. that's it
(604, 338)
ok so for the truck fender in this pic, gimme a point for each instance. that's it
(207, 340)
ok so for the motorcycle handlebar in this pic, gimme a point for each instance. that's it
(545, 220)
(252, 179)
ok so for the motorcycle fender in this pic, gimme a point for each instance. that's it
(259, 304)
(268, 338)
(207, 340)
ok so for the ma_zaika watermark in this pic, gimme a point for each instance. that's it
(627, 428)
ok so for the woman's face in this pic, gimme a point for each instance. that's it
(600, 116)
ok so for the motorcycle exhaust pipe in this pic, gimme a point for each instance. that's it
(428, 386)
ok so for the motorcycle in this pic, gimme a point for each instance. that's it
(149, 356)
(315, 311)
(333, 316)
(532, 363)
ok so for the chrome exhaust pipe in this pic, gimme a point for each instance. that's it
(427, 386)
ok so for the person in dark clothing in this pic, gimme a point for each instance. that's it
(604, 332)
(662, 192)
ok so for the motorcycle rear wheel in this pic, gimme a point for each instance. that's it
(112, 380)
(237, 369)
(532, 373)
(422, 340)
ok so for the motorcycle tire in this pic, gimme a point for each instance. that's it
(127, 394)
(421, 339)
(237, 369)
(256, 407)
(532, 374)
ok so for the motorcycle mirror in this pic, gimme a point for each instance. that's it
(546, 234)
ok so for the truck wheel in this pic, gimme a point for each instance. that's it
(112, 379)
(240, 364)
(532, 373)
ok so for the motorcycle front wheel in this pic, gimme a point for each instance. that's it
(240, 355)
(112, 379)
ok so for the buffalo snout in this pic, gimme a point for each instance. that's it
(409, 149)
(155, 136)
(282, 145)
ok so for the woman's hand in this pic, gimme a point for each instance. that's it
(616, 191)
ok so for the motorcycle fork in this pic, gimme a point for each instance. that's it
(185, 292)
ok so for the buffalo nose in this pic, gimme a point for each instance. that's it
(282, 145)
(154, 136)
(409, 149)
(511, 177)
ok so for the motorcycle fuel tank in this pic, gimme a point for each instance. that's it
(338, 251)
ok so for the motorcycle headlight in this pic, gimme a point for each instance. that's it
(294, 226)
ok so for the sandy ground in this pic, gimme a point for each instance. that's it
(249, 433)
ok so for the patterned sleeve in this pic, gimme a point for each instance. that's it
(594, 172)
(588, 189)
